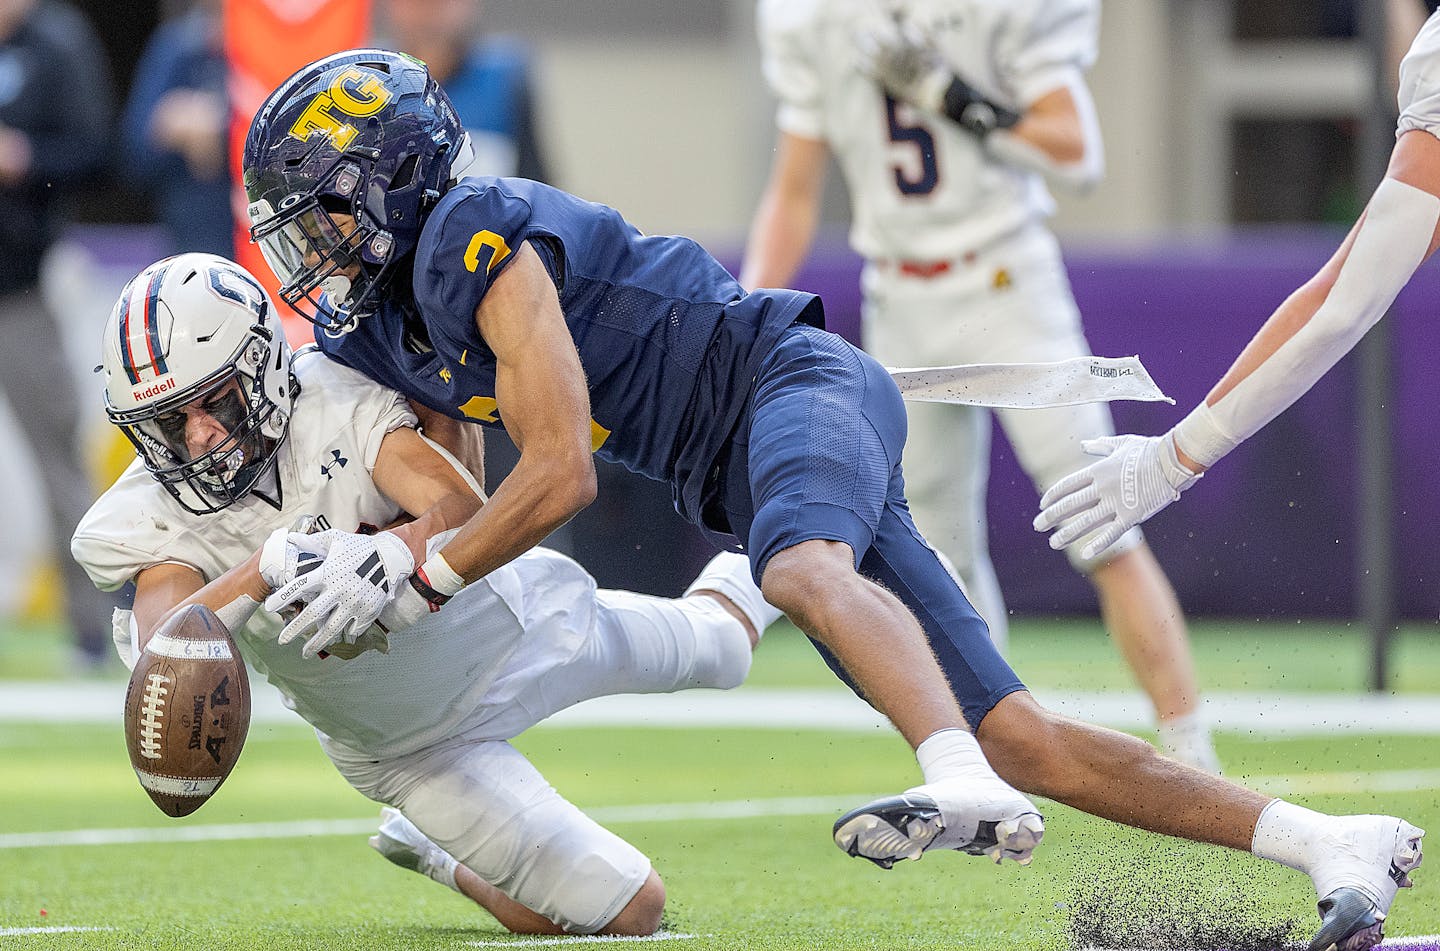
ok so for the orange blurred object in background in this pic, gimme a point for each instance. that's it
(266, 41)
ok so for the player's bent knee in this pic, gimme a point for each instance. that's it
(804, 577)
(642, 915)
(723, 651)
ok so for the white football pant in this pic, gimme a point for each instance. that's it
(479, 799)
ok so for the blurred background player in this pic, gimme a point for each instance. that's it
(175, 130)
(55, 115)
(237, 440)
(982, 102)
(1316, 325)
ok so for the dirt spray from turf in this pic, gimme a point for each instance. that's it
(1155, 905)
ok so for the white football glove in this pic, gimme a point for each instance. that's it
(345, 595)
(905, 63)
(1138, 476)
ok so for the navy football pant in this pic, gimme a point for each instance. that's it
(817, 456)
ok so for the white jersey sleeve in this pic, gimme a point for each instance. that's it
(1055, 48)
(1420, 81)
(789, 51)
(126, 531)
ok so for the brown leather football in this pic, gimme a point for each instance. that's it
(187, 710)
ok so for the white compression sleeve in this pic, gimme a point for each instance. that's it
(237, 612)
(1391, 243)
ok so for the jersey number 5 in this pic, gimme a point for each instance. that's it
(919, 137)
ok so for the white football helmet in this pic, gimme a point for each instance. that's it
(184, 330)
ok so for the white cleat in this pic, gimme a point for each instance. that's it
(943, 815)
(400, 842)
(1363, 861)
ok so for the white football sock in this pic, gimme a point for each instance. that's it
(441, 866)
(1285, 832)
(949, 753)
(729, 574)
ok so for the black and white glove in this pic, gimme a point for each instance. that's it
(346, 594)
(909, 67)
(906, 65)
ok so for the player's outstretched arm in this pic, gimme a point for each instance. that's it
(1316, 325)
(410, 473)
(163, 589)
(789, 211)
(464, 441)
(545, 405)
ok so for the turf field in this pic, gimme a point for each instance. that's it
(736, 821)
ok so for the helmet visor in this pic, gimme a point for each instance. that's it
(314, 251)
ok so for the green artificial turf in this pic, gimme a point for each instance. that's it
(769, 880)
(763, 882)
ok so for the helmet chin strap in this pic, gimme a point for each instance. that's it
(337, 288)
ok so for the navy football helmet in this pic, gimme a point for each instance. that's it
(341, 163)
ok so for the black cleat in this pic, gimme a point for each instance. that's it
(1348, 922)
(906, 826)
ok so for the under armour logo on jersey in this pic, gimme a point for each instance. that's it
(336, 461)
(374, 572)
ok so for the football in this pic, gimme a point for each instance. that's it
(187, 710)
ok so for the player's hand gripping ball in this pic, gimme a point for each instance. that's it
(187, 711)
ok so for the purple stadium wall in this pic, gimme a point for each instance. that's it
(1270, 533)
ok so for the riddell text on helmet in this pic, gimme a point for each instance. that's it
(154, 389)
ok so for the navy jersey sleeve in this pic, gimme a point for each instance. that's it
(471, 237)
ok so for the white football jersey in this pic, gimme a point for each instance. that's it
(436, 673)
(921, 187)
(1420, 81)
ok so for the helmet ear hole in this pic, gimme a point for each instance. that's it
(405, 174)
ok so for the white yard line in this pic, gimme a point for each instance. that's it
(57, 929)
(1313, 784)
(207, 833)
(832, 709)
(582, 939)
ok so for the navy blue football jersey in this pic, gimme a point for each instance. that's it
(668, 339)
